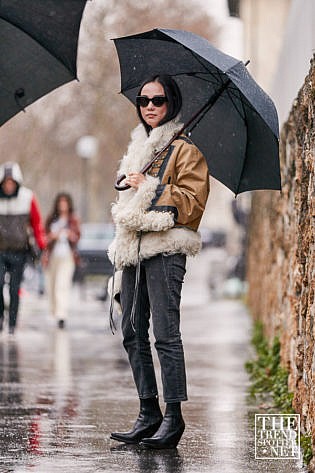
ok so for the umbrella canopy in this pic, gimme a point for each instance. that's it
(38, 50)
(238, 129)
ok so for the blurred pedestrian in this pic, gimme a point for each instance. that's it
(63, 233)
(19, 214)
(156, 228)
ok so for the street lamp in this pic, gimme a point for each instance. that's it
(86, 148)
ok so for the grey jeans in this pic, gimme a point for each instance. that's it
(160, 284)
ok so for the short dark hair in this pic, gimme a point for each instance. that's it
(173, 94)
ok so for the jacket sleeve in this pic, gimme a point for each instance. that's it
(36, 223)
(187, 190)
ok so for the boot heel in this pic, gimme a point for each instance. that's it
(167, 436)
(175, 438)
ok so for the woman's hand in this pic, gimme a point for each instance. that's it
(134, 179)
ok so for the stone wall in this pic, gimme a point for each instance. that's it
(281, 255)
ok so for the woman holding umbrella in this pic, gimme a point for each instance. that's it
(157, 220)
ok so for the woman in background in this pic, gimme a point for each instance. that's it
(63, 233)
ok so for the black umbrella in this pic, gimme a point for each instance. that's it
(227, 115)
(38, 49)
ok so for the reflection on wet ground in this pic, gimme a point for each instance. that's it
(63, 391)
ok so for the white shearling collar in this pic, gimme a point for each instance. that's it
(142, 147)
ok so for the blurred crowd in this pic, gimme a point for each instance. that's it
(25, 237)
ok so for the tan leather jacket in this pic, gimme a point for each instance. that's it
(184, 186)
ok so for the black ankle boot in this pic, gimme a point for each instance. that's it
(148, 422)
(170, 431)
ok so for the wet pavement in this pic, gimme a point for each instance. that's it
(63, 391)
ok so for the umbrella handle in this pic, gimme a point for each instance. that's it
(118, 181)
(123, 176)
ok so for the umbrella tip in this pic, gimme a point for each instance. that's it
(247, 62)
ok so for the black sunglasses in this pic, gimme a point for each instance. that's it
(157, 100)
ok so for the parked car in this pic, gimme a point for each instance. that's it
(92, 249)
